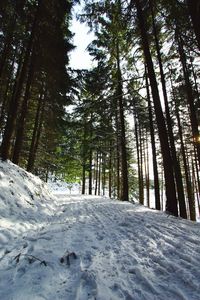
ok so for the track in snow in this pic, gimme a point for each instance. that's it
(124, 251)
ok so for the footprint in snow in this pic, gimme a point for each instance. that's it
(88, 287)
(86, 261)
(99, 237)
(122, 293)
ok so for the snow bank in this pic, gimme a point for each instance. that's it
(24, 200)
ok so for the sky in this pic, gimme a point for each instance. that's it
(79, 57)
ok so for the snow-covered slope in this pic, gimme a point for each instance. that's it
(87, 248)
(24, 201)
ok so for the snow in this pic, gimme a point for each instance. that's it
(72, 247)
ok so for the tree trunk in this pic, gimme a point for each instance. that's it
(90, 173)
(99, 174)
(153, 146)
(171, 200)
(138, 161)
(124, 192)
(176, 166)
(141, 165)
(147, 170)
(83, 178)
(36, 131)
(96, 173)
(110, 173)
(84, 157)
(23, 114)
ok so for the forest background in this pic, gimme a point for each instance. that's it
(146, 67)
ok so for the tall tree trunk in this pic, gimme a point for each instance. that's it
(147, 170)
(103, 175)
(124, 193)
(84, 157)
(110, 173)
(23, 114)
(153, 146)
(83, 178)
(140, 179)
(176, 166)
(141, 164)
(96, 173)
(99, 174)
(171, 200)
(90, 173)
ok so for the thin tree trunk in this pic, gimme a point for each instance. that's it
(90, 173)
(125, 191)
(36, 131)
(103, 175)
(153, 146)
(191, 201)
(147, 171)
(141, 166)
(138, 160)
(83, 178)
(97, 172)
(110, 173)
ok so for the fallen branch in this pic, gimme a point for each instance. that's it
(32, 258)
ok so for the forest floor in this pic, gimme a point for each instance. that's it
(86, 248)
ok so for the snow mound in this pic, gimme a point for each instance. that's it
(24, 200)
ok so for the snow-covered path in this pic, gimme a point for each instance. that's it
(118, 251)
